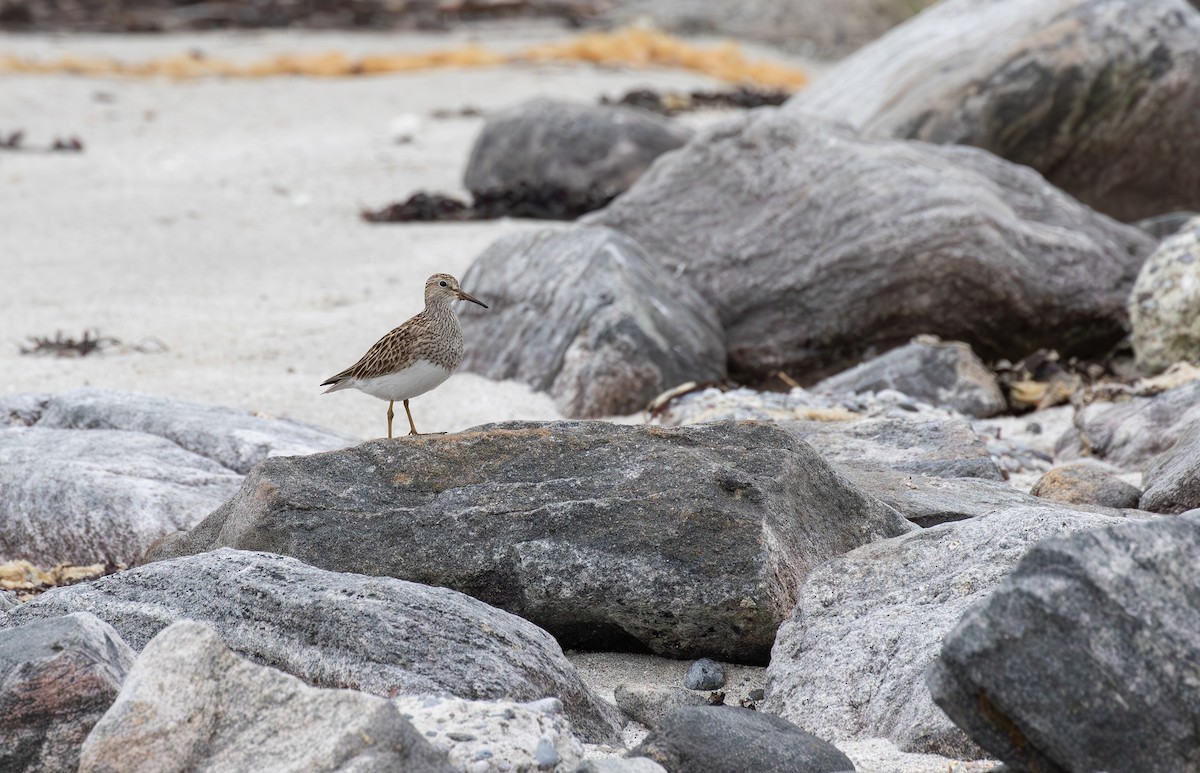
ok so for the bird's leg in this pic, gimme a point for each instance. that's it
(412, 427)
(390, 415)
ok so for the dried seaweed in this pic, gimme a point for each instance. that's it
(29, 580)
(676, 102)
(540, 202)
(91, 342)
(16, 141)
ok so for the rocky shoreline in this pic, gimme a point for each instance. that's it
(905, 455)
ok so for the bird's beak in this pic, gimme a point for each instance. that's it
(464, 297)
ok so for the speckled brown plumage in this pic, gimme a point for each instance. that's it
(415, 357)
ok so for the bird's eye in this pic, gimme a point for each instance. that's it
(442, 283)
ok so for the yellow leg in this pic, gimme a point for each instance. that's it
(412, 427)
(390, 415)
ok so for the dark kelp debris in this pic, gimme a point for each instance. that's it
(540, 202)
(676, 102)
(91, 342)
(16, 141)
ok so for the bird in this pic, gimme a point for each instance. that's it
(415, 357)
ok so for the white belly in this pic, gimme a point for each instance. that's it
(416, 379)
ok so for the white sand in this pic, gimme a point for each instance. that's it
(220, 217)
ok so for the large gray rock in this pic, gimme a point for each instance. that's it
(191, 704)
(686, 541)
(96, 476)
(1086, 657)
(815, 27)
(1100, 96)
(568, 146)
(57, 678)
(942, 373)
(234, 439)
(1132, 434)
(607, 335)
(724, 739)
(1172, 483)
(99, 496)
(375, 634)
(1164, 308)
(850, 663)
(817, 247)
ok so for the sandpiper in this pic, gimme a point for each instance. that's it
(415, 357)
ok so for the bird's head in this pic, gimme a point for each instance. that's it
(443, 288)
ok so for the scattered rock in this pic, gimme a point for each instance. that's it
(486, 735)
(96, 476)
(676, 102)
(687, 542)
(191, 704)
(724, 739)
(816, 28)
(850, 663)
(1099, 96)
(572, 147)
(1132, 433)
(1086, 483)
(375, 634)
(886, 432)
(1084, 657)
(819, 247)
(232, 438)
(704, 674)
(1173, 480)
(101, 495)
(648, 704)
(57, 678)
(946, 374)
(611, 332)
(1164, 307)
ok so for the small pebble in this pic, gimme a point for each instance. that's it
(545, 754)
(705, 674)
(758, 695)
(460, 736)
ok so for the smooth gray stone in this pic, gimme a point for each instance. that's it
(850, 662)
(1086, 656)
(704, 674)
(570, 146)
(376, 634)
(57, 678)
(1173, 480)
(608, 335)
(686, 541)
(191, 704)
(648, 704)
(1101, 96)
(725, 739)
(818, 247)
(946, 374)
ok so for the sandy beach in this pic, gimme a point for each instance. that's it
(219, 218)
